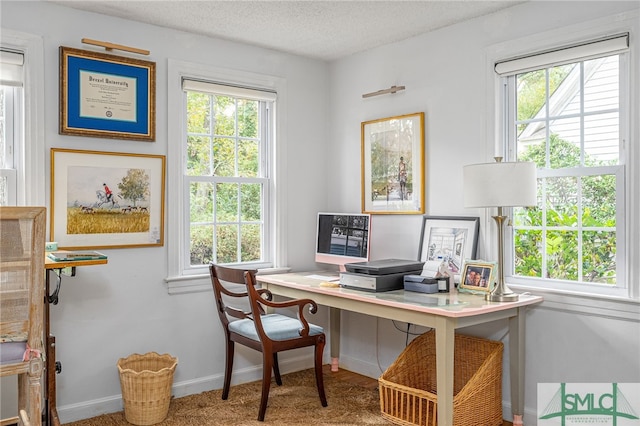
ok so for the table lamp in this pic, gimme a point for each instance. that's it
(508, 184)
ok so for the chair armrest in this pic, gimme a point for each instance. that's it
(266, 299)
(300, 303)
(265, 294)
(262, 296)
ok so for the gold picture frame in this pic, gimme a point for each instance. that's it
(478, 277)
(106, 199)
(107, 96)
(393, 159)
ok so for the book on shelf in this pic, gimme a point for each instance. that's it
(60, 256)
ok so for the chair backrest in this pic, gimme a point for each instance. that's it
(22, 239)
(230, 291)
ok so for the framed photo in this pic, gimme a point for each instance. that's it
(477, 277)
(449, 239)
(107, 96)
(393, 165)
(106, 199)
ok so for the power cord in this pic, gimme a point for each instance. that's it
(406, 332)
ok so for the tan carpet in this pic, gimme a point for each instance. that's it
(296, 402)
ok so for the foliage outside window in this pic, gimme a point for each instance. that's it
(227, 178)
(567, 121)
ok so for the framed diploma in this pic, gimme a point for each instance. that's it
(107, 96)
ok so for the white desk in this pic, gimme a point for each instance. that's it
(444, 312)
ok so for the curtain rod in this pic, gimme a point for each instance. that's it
(392, 89)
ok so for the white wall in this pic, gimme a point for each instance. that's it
(108, 312)
(446, 74)
(111, 311)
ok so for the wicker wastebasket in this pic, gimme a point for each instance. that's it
(146, 382)
(408, 387)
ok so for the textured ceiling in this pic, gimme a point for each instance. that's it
(326, 30)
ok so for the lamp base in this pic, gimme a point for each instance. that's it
(507, 297)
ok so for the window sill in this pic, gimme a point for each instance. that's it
(202, 282)
(619, 308)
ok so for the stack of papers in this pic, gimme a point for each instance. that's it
(59, 256)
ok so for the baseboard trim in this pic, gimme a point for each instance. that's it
(113, 404)
(359, 366)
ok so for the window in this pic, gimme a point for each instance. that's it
(566, 111)
(22, 140)
(228, 134)
(222, 172)
(11, 118)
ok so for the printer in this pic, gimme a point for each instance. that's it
(379, 275)
(422, 284)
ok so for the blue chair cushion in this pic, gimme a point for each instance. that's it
(276, 326)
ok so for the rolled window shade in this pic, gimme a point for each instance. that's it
(597, 48)
(222, 89)
(11, 68)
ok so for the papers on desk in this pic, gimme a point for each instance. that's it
(328, 278)
(430, 268)
(60, 256)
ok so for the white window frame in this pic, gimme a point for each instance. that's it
(12, 133)
(625, 304)
(29, 161)
(620, 288)
(181, 278)
(266, 136)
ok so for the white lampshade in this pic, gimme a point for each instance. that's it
(511, 184)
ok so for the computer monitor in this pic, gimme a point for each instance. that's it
(343, 238)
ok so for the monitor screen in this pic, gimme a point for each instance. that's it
(343, 238)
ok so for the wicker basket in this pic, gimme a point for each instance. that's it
(408, 387)
(146, 382)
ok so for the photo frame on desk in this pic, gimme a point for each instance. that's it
(106, 199)
(477, 277)
(107, 96)
(393, 165)
(451, 239)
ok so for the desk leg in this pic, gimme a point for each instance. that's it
(516, 364)
(51, 382)
(444, 369)
(50, 410)
(334, 342)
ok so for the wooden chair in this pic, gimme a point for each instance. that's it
(270, 333)
(22, 239)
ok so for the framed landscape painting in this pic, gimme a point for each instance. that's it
(106, 199)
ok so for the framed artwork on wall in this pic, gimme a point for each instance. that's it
(106, 199)
(449, 239)
(107, 96)
(393, 165)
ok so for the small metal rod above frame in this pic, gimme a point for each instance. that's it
(392, 89)
(112, 46)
